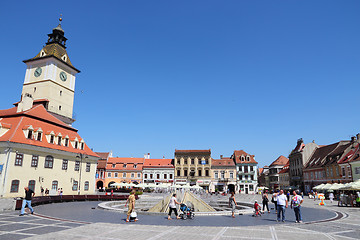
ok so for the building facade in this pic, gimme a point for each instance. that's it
(322, 166)
(284, 177)
(298, 157)
(193, 167)
(123, 170)
(101, 169)
(223, 175)
(274, 169)
(158, 171)
(38, 147)
(246, 169)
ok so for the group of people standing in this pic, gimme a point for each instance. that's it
(281, 202)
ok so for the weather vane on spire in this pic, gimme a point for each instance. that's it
(60, 19)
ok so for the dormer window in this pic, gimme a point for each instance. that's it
(42, 53)
(66, 142)
(64, 58)
(248, 158)
(135, 165)
(59, 140)
(124, 166)
(242, 158)
(82, 146)
(114, 165)
(30, 134)
(76, 144)
(52, 139)
(39, 136)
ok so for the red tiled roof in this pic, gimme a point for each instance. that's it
(280, 161)
(38, 117)
(158, 163)
(237, 156)
(319, 156)
(227, 162)
(101, 164)
(130, 162)
(37, 112)
(103, 155)
(285, 168)
(350, 155)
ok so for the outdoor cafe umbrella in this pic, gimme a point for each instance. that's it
(325, 187)
(335, 186)
(196, 187)
(352, 186)
(319, 186)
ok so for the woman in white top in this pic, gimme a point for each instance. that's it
(172, 206)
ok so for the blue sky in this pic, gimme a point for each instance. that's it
(163, 75)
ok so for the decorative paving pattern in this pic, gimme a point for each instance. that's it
(42, 227)
(12, 226)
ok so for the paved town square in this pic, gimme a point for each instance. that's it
(180, 120)
(55, 221)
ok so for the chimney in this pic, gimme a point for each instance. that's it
(26, 103)
(358, 137)
(221, 156)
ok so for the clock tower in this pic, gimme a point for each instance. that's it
(50, 77)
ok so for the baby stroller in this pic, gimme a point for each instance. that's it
(186, 212)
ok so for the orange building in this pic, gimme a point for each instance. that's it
(127, 170)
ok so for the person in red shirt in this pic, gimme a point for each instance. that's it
(257, 209)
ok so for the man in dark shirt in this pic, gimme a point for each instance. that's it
(29, 194)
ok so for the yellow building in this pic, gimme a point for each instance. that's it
(193, 166)
(38, 147)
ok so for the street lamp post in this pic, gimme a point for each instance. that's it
(81, 156)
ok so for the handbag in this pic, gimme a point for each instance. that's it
(133, 214)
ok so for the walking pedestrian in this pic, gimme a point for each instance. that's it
(232, 204)
(29, 194)
(296, 202)
(274, 200)
(282, 203)
(265, 201)
(172, 207)
(46, 192)
(42, 191)
(131, 205)
(331, 197)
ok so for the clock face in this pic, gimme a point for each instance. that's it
(63, 76)
(38, 72)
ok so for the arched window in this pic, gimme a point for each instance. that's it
(54, 185)
(49, 161)
(86, 186)
(15, 186)
(32, 185)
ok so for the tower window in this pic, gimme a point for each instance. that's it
(60, 93)
(60, 108)
(34, 89)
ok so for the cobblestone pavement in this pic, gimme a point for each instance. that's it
(36, 227)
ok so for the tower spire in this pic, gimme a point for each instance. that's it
(57, 35)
